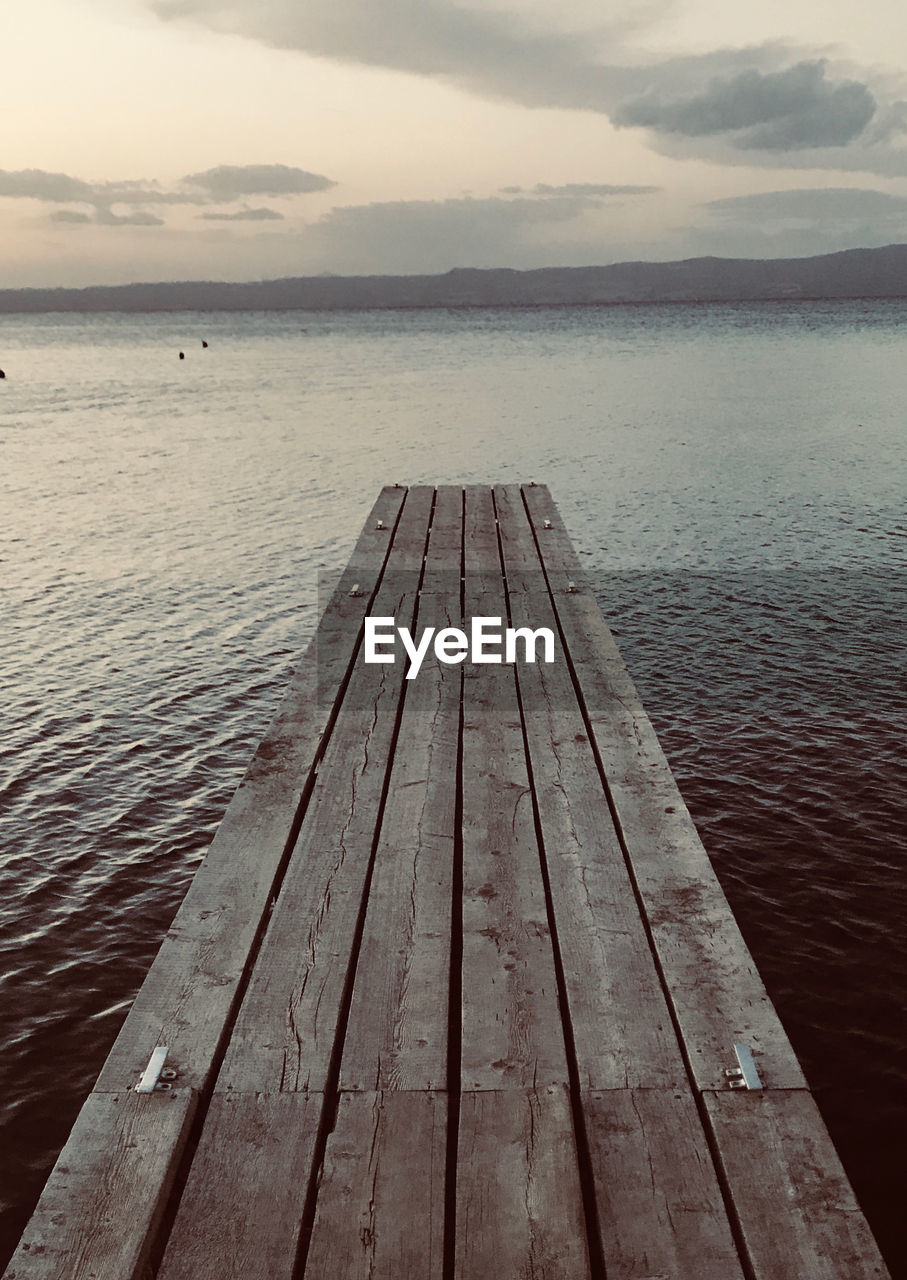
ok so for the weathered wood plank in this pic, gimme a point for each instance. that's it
(481, 554)
(519, 1208)
(717, 993)
(397, 1031)
(380, 1211)
(444, 556)
(556, 550)
(100, 1210)
(622, 1027)
(797, 1211)
(511, 1031)
(285, 1031)
(187, 997)
(241, 1221)
(658, 1203)
(660, 1209)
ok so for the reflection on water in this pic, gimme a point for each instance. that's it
(732, 473)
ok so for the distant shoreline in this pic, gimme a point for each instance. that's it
(851, 274)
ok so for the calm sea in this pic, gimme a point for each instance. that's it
(733, 474)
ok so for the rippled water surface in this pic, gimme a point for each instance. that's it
(733, 474)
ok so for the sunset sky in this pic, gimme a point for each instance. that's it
(248, 139)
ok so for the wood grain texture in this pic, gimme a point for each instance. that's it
(241, 1209)
(622, 1027)
(716, 991)
(286, 1028)
(511, 1030)
(188, 995)
(519, 1206)
(380, 1213)
(102, 1205)
(562, 564)
(397, 1032)
(797, 1210)
(443, 558)
(660, 1209)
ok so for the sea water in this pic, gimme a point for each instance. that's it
(733, 477)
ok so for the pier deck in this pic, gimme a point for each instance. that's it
(455, 991)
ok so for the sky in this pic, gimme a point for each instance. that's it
(252, 139)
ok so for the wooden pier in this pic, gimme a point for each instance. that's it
(455, 992)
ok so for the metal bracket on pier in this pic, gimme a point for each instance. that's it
(155, 1076)
(745, 1075)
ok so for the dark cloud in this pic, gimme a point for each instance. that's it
(228, 181)
(759, 102)
(244, 215)
(580, 189)
(784, 110)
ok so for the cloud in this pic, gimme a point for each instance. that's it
(498, 53)
(761, 101)
(244, 215)
(783, 110)
(60, 188)
(139, 218)
(70, 215)
(429, 37)
(799, 222)
(580, 189)
(104, 217)
(437, 235)
(224, 183)
(815, 204)
(37, 184)
(138, 191)
(228, 181)
(889, 124)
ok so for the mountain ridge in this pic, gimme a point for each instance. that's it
(848, 273)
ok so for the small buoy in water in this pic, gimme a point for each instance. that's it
(204, 343)
(182, 355)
